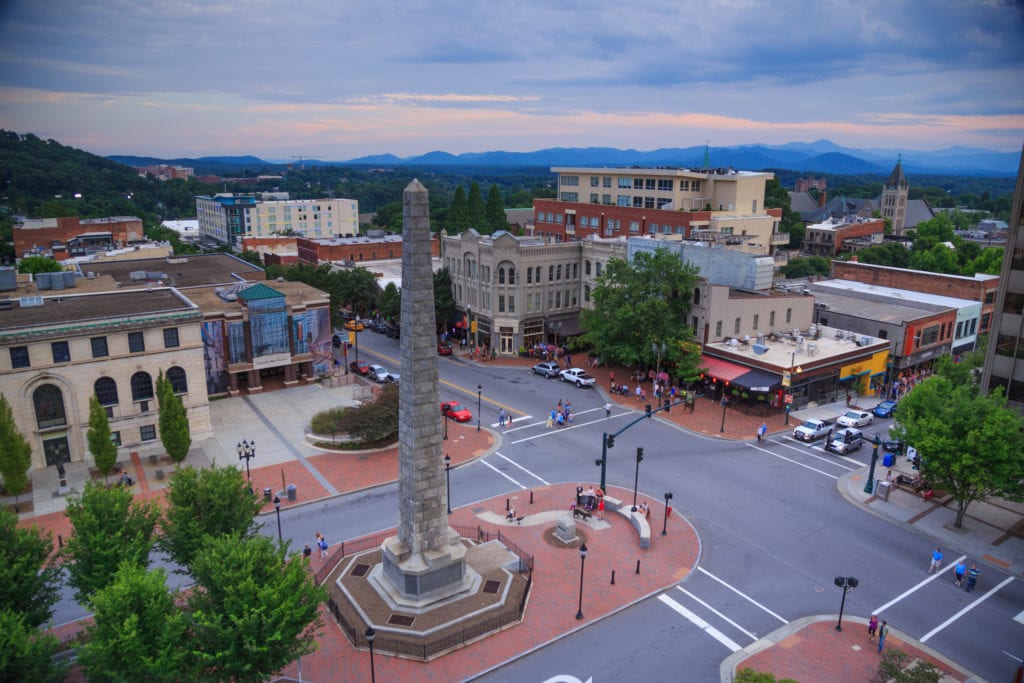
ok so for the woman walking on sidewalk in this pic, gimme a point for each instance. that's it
(872, 627)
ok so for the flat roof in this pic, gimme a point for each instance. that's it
(663, 171)
(69, 306)
(196, 270)
(785, 352)
(296, 294)
(858, 307)
(854, 287)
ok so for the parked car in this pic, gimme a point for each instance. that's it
(455, 411)
(380, 326)
(846, 440)
(394, 331)
(885, 409)
(378, 373)
(360, 367)
(393, 377)
(812, 430)
(355, 326)
(892, 445)
(444, 349)
(547, 369)
(577, 376)
(855, 418)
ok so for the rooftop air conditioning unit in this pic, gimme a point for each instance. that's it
(864, 341)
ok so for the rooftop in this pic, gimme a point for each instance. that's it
(180, 271)
(819, 344)
(854, 288)
(81, 307)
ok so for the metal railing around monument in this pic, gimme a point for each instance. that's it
(425, 650)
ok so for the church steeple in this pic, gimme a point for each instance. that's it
(894, 198)
(707, 154)
(896, 178)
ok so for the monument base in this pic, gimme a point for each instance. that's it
(415, 580)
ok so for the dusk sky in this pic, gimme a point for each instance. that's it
(337, 80)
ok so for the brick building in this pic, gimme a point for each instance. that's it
(67, 236)
(838, 235)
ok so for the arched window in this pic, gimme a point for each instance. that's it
(696, 296)
(501, 276)
(49, 404)
(586, 292)
(179, 382)
(551, 273)
(106, 391)
(142, 386)
(511, 276)
(586, 267)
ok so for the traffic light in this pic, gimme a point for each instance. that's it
(639, 454)
(609, 440)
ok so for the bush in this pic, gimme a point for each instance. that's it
(369, 423)
(328, 421)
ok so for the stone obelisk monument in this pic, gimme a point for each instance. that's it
(426, 561)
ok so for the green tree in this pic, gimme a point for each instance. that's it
(931, 232)
(389, 216)
(444, 300)
(458, 212)
(971, 444)
(108, 528)
(28, 580)
(15, 452)
(989, 262)
(642, 303)
(174, 431)
(38, 264)
(964, 368)
(256, 609)
(748, 675)
(358, 288)
(494, 211)
(886, 254)
(475, 208)
(896, 667)
(937, 259)
(138, 633)
(204, 504)
(102, 447)
(390, 303)
(776, 197)
(252, 257)
(26, 653)
(804, 266)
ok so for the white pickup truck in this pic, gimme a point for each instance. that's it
(812, 430)
(577, 376)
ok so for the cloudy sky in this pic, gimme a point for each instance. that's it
(338, 79)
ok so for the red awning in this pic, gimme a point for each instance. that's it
(722, 369)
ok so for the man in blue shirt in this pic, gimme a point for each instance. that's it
(936, 560)
(972, 577)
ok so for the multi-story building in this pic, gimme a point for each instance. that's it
(1004, 358)
(893, 202)
(166, 172)
(227, 218)
(838, 235)
(720, 205)
(67, 236)
(805, 184)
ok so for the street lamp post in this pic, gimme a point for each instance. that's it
(658, 350)
(871, 471)
(370, 635)
(583, 559)
(847, 584)
(247, 451)
(479, 403)
(448, 480)
(725, 403)
(277, 508)
(636, 477)
(668, 497)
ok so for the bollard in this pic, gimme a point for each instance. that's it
(60, 541)
(507, 508)
(531, 497)
(613, 577)
(638, 566)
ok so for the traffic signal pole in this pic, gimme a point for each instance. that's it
(608, 440)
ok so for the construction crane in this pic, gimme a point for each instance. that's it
(302, 166)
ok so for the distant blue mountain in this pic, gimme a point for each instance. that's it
(820, 156)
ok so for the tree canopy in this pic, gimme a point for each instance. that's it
(15, 452)
(28, 580)
(640, 306)
(101, 446)
(174, 430)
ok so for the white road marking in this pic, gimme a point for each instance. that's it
(795, 462)
(741, 594)
(567, 678)
(701, 624)
(1019, 618)
(502, 474)
(965, 610)
(558, 430)
(917, 587)
(521, 467)
(718, 614)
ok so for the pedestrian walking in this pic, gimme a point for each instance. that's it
(883, 631)
(872, 627)
(638, 390)
(307, 551)
(501, 417)
(321, 545)
(959, 570)
(972, 577)
(508, 420)
(611, 379)
(936, 560)
(551, 419)
(761, 431)
(607, 410)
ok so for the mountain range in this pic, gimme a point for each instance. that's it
(821, 156)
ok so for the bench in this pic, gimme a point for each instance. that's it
(637, 519)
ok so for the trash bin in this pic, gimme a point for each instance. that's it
(291, 491)
(267, 494)
(888, 460)
(884, 488)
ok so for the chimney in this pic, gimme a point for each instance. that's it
(822, 198)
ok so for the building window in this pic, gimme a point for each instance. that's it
(147, 433)
(501, 303)
(771, 320)
(693, 323)
(624, 200)
(575, 271)
(883, 334)
(511, 276)
(597, 269)
(61, 352)
(49, 406)
(170, 337)
(756, 319)
(106, 391)
(136, 342)
(99, 347)
(718, 330)
(179, 382)
(929, 336)
(142, 386)
(586, 267)
(626, 183)
(19, 357)
(595, 181)
(501, 276)
(551, 273)
(116, 438)
(696, 296)
(594, 197)
(570, 180)
(570, 197)
(558, 272)
(789, 315)
(634, 226)
(529, 276)
(736, 327)
(665, 185)
(511, 304)
(586, 292)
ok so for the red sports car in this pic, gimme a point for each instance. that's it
(360, 367)
(455, 411)
(444, 349)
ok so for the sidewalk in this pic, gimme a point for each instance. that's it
(284, 457)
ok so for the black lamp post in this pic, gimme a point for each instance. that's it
(246, 451)
(636, 477)
(448, 479)
(847, 583)
(370, 635)
(479, 402)
(868, 487)
(725, 403)
(658, 350)
(583, 559)
(668, 497)
(277, 508)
